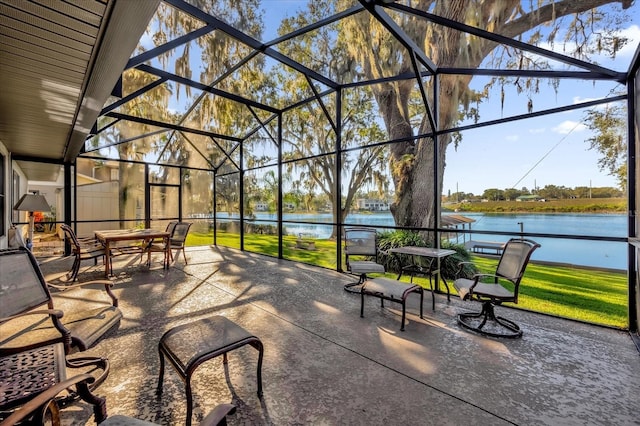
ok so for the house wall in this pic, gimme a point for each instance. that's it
(7, 198)
(97, 201)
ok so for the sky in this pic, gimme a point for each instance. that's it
(533, 153)
(550, 150)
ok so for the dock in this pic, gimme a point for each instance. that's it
(485, 247)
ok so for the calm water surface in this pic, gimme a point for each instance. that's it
(577, 252)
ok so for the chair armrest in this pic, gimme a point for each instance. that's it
(55, 315)
(461, 266)
(477, 277)
(45, 397)
(107, 287)
(218, 414)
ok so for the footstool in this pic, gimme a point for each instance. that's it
(189, 345)
(393, 290)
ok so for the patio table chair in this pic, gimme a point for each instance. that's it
(178, 240)
(82, 249)
(37, 341)
(159, 245)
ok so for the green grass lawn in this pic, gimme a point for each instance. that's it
(598, 297)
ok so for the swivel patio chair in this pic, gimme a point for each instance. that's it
(510, 269)
(360, 245)
(82, 249)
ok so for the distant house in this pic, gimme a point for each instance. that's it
(261, 206)
(529, 198)
(372, 205)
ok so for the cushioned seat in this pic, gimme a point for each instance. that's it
(189, 345)
(392, 290)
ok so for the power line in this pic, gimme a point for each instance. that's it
(545, 156)
(611, 92)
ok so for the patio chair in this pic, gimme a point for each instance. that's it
(34, 411)
(46, 405)
(510, 269)
(28, 317)
(360, 244)
(82, 249)
(159, 245)
(37, 340)
(178, 239)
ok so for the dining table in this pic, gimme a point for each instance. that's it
(112, 236)
(430, 269)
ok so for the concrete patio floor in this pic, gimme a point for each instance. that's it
(324, 365)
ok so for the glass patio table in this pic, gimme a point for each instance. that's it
(415, 268)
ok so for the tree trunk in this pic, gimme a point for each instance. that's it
(412, 163)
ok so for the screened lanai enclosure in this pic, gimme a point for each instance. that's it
(273, 125)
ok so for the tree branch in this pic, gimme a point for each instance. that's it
(557, 9)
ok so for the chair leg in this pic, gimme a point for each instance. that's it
(358, 285)
(469, 321)
(75, 268)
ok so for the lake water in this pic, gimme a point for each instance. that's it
(604, 254)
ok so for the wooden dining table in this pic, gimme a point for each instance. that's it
(112, 236)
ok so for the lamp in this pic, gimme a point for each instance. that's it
(32, 203)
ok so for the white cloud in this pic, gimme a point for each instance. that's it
(538, 130)
(512, 138)
(601, 107)
(580, 99)
(633, 35)
(569, 126)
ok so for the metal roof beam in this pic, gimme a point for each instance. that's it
(381, 15)
(503, 40)
(203, 87)
(314, 26)
(169, 126)
(250, 41)
(150, 54)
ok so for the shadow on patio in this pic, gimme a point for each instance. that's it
(325, 365)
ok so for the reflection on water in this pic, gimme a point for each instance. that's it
(578, 252)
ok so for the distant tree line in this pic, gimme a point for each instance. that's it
(549, 192)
